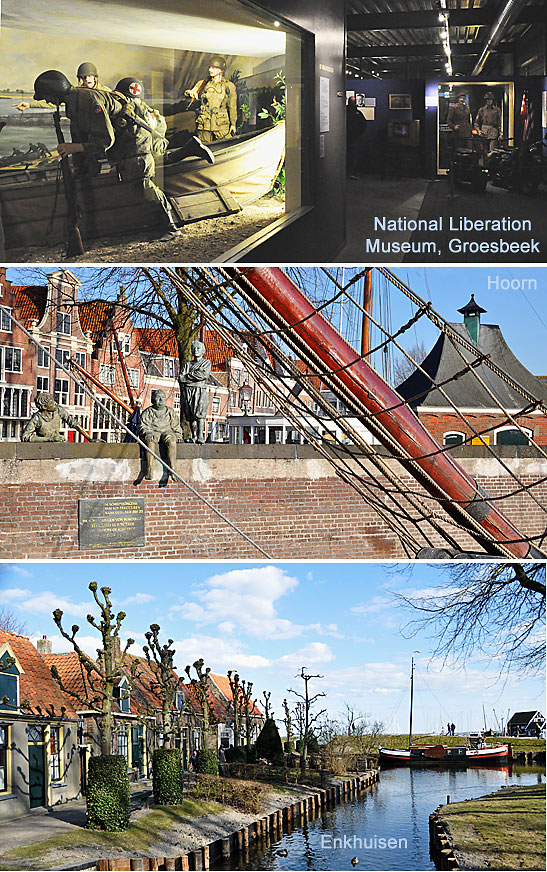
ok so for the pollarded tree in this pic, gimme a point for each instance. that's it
(101, 676)
(108, 794)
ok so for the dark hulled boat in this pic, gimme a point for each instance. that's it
(34, 212)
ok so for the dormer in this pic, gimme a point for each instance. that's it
(10, 672)
(122, 694)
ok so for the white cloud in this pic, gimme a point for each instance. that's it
(47, 601)
(219, 654)
(138, 599)
(373, 606)
(309, 655)
(20, 570)
(245, 599)
(15, 593)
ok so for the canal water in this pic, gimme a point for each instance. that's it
(397, 809)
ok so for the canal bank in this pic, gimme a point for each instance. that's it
(503, 830)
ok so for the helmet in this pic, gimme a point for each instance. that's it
(217, 61)
(52, 86)
(489, 96)
(87, 69)
(130, 87)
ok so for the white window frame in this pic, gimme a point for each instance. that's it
(55, 756)
(6, 324)
(169, 370)
(17, 355)
(215, 406)
(80, 357)
(133, 376)
(107, 374)
(529, 433)
(42, 383)
(43, 358)
(125, 343)
(61, 395)
(64, 320)
(453, 433)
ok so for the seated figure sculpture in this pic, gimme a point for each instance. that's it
(194, 396)
(45, 423)
(160, 425)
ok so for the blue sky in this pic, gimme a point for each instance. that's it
(521, 312)
(269, 620)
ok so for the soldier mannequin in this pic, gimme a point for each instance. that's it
(459, 120)
(193, 391)
(488, 120)
(45, 423)
(88, 77)
(99, 127)
(160, 426)
(218, 114)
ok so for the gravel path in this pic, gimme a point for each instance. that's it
(200, 242)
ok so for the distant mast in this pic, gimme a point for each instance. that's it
(411, 703)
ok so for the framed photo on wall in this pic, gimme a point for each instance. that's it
(400, 101)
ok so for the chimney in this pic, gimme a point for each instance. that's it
(44, 645)
(472, 318)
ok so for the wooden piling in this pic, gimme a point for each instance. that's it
(170, 864)
(197, 859)
(205, 858)
(239, 841)
(225, 849)
(185, 863)
(137, 864)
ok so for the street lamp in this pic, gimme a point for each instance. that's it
(245, 398)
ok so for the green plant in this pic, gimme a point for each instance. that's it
(167, 776)
(268, 745)
(107, 793)
(278, 107)
(236, 755)
(207, 761)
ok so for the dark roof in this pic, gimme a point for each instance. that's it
(522, 717)
(472, 307)
(443, 361)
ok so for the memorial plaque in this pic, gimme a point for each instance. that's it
(111, 523)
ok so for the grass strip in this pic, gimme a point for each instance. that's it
(505, 830)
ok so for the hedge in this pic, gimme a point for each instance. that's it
(207, 762)
(167, 776)
(268, 745)
(236, 755)
(245, 795)
(107, 793)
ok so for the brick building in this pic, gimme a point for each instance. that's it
(97, 336)
(478, 404)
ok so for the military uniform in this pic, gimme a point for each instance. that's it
(459, 119)
(489, 123)
(97, 122)
(218, 113)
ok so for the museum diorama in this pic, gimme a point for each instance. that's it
(164, 114)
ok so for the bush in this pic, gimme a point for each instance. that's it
(207, 761)
(289, 746)
(236, 755)
(250, 751)
(245, 795)
(107, 793)
(167, 776)
(268, 745)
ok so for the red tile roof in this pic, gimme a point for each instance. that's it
(223, 684)
(31, 302)
(162, 341)
(36, 683)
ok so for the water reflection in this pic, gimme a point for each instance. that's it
(397, 808)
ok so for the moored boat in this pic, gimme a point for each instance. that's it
(475, 752)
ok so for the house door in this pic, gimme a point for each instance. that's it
(137, 749)
(36, 766)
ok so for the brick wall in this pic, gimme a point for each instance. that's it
(440, 423)
(286, 498)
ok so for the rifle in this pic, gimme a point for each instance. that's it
(74, 242)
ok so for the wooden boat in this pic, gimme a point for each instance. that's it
(33, 206)
(475, 753)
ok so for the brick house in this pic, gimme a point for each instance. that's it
(224, 711)
(38, 733)
(471, 398)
